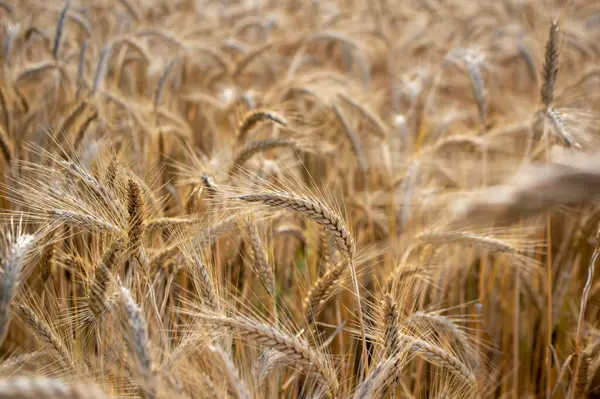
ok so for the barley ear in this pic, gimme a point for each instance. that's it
(12, 268)
(136, 210)
(320, 290)
(60, 26)
(81, 70)
(46, 388)
(110, 176)
(6, 146)
(237, 387)
(390, 326)
(259, 259)
(139, 340)
(296, 349)
(160, 88)
(97, 296)
(253, 117)
(47, 259)
(582, 376)
(101, 68)
(551, 61)
(44, 333)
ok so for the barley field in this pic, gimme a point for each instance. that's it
(299, 199)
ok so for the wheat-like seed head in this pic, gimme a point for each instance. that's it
(98, 299)
(446, 328)
(295, 348)
(44, 333)
(254, 147)
(11, 275)
(352, 135)
(313, 210)
(47, 258)
(6, 146)
(551, 60)
(253, 117)
(45, 388)
(491, 243)
(312, 303)
(139, 340)
(237, 387)
(136, 209)
(259, 259)
(443, 358)
(581, 378)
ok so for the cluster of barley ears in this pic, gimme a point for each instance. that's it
(299, 199)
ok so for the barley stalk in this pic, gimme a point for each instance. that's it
(352, 137)
(390, 326)
(47, 259)
(207, 287)
(445, 327)
(14, 362)
(171, 223)
(378, 376)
